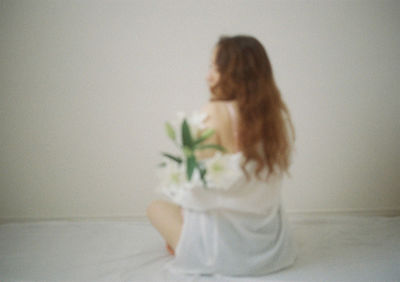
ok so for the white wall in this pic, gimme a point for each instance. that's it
(87, 85)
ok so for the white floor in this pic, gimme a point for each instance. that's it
(339, 248)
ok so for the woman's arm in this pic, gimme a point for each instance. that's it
(210, 121)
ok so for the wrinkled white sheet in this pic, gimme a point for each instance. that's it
(335, 248)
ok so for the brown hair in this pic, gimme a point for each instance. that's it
(246, 76)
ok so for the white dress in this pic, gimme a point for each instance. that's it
(240, 231)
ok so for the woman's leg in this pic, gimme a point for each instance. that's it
(166, 217)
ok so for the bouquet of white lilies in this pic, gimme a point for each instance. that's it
(184, 170)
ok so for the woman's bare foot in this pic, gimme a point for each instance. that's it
(169, 249)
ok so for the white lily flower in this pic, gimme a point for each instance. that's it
(195, 121)
(195, 181)
(173, 179)
(222, 170)
(172, 174)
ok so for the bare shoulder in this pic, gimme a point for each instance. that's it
(212, 107)
(214, 110)
(210, 122)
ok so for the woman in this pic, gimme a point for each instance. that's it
(246, 232)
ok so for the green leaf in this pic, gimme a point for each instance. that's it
(174, 158)
(190, 165)
(186, 136)
(203, 172)
(205, 135)
(187, 151)
(211, 146)
(163, 164)
(170, 131)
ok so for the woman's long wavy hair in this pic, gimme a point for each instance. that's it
(246, 76)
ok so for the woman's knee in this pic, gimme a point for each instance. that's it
(159, 207)
(153, 208)
(161, 210)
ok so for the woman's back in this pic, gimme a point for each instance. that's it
(223, 117)
(229, 128)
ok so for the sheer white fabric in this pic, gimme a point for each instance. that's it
(241, 230)
(253, 196)
(229, 243)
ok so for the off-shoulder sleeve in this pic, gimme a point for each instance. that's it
(200, 197)
(241, 195)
